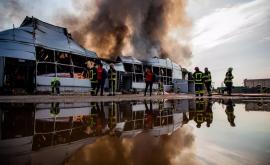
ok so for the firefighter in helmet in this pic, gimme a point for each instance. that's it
(228, 81)
(207, 81)
(161, 83)
(112, 76)
(92, 74)
(198, 80)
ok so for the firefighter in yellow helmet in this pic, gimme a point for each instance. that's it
(112, 76)
(228, 81)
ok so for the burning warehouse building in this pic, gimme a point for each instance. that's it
(36, 52)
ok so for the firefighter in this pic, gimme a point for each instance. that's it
(198, 80)
(149, 79)
(207, 81)
(55, 84)
(160, 83)
(208, 113)
(228, 81)
(112, 76)
(93, 78)
(230, 112)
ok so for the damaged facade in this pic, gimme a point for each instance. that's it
(36, 52)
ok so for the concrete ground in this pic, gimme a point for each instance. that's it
(69, 98)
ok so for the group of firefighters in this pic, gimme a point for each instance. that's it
(98, 75)
(204, 79)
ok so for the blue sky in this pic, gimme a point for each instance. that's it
(224, 33)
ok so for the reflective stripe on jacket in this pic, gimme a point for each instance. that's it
(207, 77)
(112, 74)
(228, 77)
(198, 77)
(93, 75)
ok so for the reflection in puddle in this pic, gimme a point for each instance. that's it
(142, 149)
(144, 132)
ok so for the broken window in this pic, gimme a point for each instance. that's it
(78, 72)
(169, 81)
(162, 71)
(46, 69)
(156, 70)
(169, 72)
(128, 67)
(139, 77)
(133, 77)
(68, 65)
(44, 55)
(65, 71)
(79, 60)
(138, 68)
(62, 58)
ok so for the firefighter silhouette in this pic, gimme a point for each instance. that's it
(230, 112)
(55, 109)
(149, 116)
(199, 112)
(112, 119)
(208, 112)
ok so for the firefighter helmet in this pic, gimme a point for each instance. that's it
(230, 69)
(196, 68)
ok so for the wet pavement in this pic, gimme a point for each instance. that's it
(159, 131)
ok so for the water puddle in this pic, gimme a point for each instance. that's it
(201, 131)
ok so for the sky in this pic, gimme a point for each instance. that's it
(224, 33)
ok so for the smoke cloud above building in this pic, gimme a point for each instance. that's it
(141, 28)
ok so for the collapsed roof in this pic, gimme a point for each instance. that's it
(128, 59)
(21, 42)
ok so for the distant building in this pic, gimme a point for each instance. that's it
(251, 83)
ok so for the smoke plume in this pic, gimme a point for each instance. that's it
(141, 28)
(144, 149)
